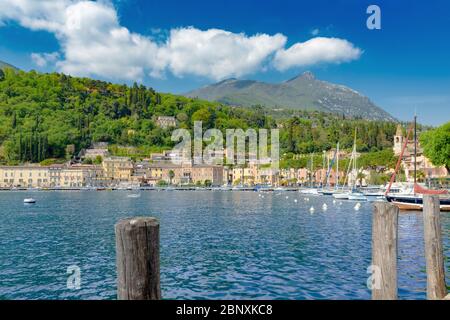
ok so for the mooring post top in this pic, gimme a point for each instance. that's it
(381, 207)
(138, 221)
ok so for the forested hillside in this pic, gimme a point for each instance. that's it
(41, 114)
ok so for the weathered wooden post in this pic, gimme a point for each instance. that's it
(434, 255)
(137, 259)
(384, 251)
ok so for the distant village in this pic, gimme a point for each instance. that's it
(102, 170)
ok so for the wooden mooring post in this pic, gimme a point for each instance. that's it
(137, 259)
(434, 253)
(384, 251)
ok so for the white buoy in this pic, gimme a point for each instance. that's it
(324, 207)
(311, 209)
(334, 201)
(262, 196)
(357, 206)
(295, 200)
(287, 197)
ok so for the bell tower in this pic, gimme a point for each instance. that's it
(399, 140)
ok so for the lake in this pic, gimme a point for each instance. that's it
(214, 245)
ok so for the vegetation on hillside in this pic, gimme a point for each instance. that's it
(41, 114)
(436, 145)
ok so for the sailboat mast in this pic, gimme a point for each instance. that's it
(337, 166)
(312, 168)
(415, 149)
(354, 161)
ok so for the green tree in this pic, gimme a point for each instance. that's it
(171, 176)
(436, 145)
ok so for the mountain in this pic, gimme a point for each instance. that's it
(4, 65)
(302, 92)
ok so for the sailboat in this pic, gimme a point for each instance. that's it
(311, 189)
(353, 194)
(412, 199)
(329, 191)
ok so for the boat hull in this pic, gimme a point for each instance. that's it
(341, 196)
(414, 203)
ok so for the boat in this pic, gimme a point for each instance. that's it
(341, 195)
(412, 198)
(29, 200)
(328, 191)
(311, 191)
(372, 191)
(134, 195)
(353, 193)
(415, 202)
(356, 196)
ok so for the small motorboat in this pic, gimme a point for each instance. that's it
(357, 196)
(134, 195)
(29, 200)
(341, 195)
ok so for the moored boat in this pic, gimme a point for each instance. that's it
(29, 201)
(412, 198)
(414, 202)
(341, 195)
(356, 196)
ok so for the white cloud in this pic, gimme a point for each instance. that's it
(217, 53)
(42, 59)
(316, 50)
(93, 42)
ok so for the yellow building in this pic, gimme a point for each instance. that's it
(152, 173)
(76, 176)
(118, 169)
(24, 176)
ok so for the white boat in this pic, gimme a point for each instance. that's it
(341, 195)
(29, 200)
(356, 196)
(412, 197)
(134, 195)
(309, 191)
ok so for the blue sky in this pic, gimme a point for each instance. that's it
(403, 67)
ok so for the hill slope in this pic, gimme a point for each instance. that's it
(4, 65)
(302, 92)
(42, 114)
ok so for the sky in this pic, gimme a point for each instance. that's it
(177, 46)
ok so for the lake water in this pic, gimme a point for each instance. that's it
(214, 245)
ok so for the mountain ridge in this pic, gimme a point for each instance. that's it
(303, 92)
(4, 65)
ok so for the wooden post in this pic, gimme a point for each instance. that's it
(434, 255)
(384, 251)
(137, 259)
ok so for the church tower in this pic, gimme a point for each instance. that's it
(399, 140)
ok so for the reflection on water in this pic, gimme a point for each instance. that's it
(228, 245)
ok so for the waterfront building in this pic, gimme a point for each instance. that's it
(33, 176)
(118, 169)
